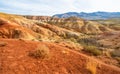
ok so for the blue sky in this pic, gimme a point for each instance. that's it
(51, 7)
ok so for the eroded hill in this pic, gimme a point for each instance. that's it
(74, 23)
(71, 43)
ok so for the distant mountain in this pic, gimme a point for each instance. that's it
(90, 16)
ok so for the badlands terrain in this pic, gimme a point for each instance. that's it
(52, 45)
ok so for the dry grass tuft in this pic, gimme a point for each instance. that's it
(91, 66)
(41, 51)
(93, 50)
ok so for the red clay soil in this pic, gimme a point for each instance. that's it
(14, 59)
(12, 30)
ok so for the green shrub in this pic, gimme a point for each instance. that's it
(93, 50)
(89, 41)
(41, 51)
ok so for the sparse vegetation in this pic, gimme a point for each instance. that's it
(112, 23)
(89, 41)
(73, 40)
(91, 66)
(115, 53)
(41, 51)
(118, 60)
(93, 50)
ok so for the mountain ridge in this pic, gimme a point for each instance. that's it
(90, 16)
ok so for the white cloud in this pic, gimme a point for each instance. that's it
(50, 7)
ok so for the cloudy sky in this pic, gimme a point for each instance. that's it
(51, 7)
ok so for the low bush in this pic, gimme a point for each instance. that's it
(93, 50)
(41, 51)
(115, 53)
(89, 41)
(91, 67)
(73, 40)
